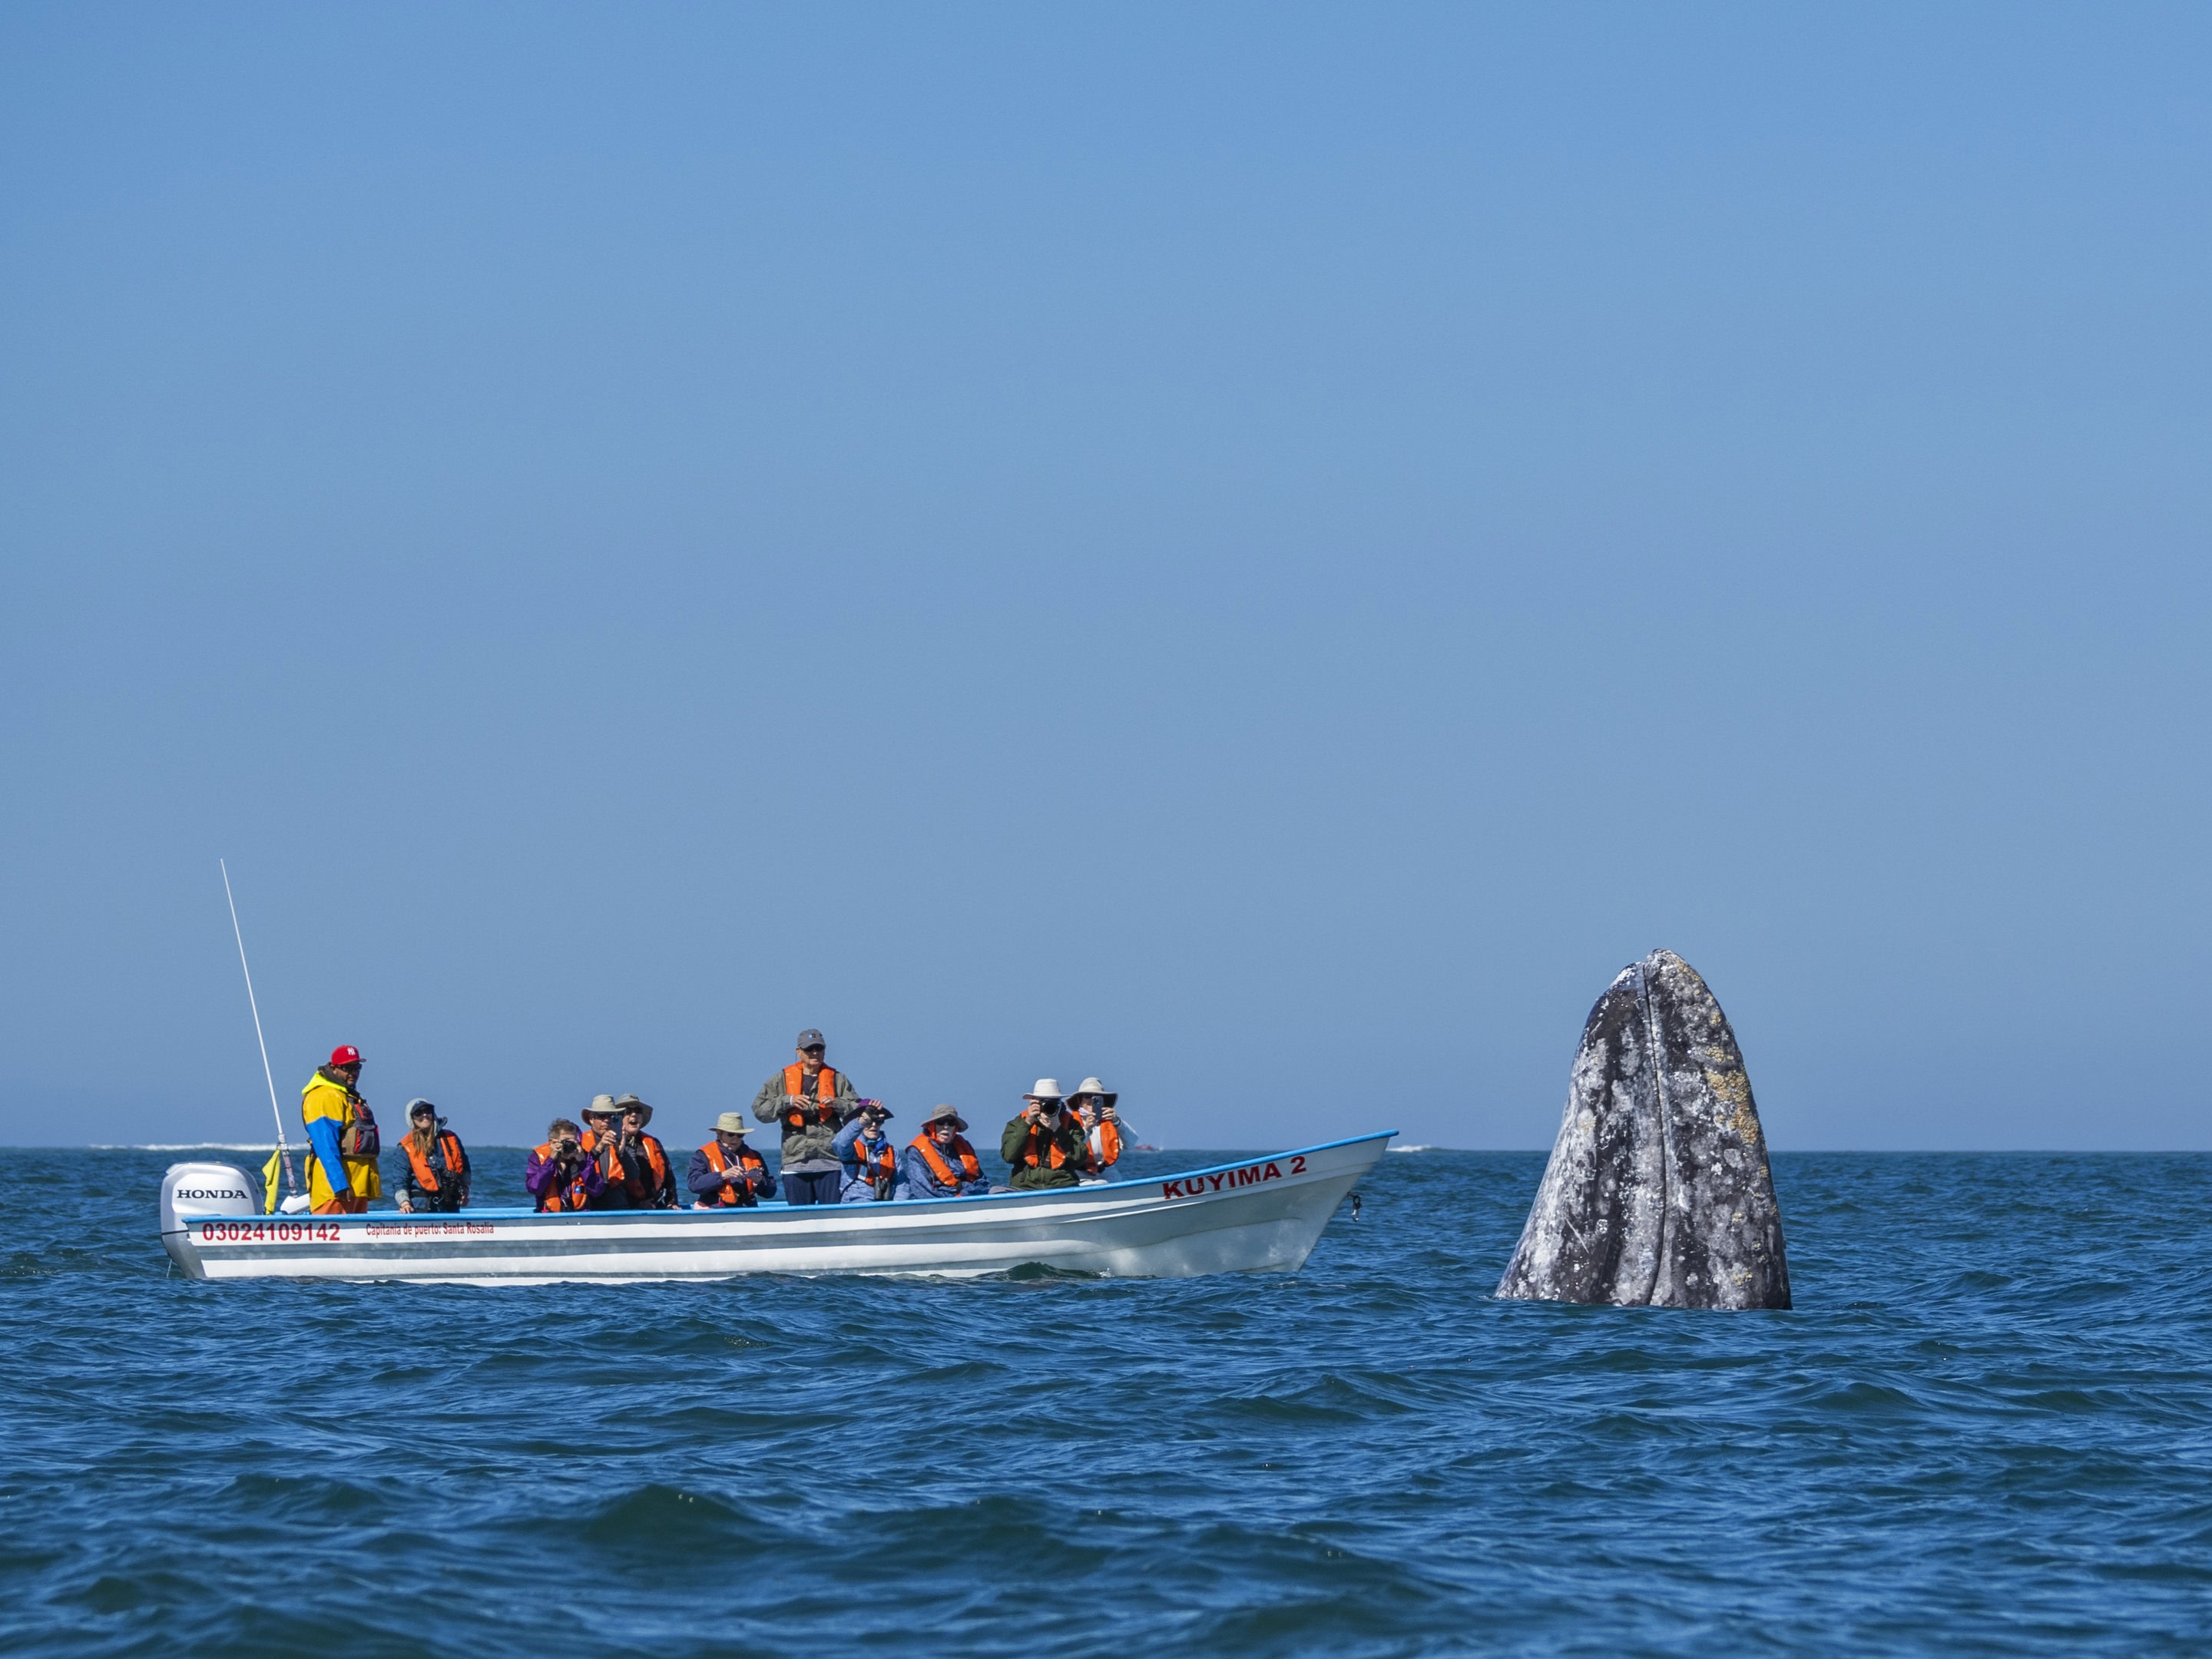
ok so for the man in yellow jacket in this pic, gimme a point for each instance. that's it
(342, 1174)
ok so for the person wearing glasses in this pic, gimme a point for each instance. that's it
(437, 1177)
(811, 1099)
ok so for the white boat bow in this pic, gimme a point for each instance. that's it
(1259, 1215)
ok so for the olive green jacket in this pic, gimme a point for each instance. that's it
(807, 1148)
(1068, 1138)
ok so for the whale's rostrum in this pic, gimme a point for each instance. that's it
(1658, 1192)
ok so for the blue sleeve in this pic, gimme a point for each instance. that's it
(841, 1147)
(322, 1132)
(920, 1179)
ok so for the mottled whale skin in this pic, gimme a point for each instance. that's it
(1658, 1193)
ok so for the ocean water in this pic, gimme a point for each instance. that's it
(1986, 1428)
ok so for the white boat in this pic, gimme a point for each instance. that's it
(1260, 1215)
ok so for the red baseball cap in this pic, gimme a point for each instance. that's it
(345, 1055)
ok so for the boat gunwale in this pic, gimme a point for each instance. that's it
(1093, 1190)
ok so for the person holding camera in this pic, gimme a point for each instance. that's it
(726, 1173)
(1092, 1103)
(560, 1175)
(811, 1100)
(1044, 1146)
(871, 1162)
(638, 1169)
(438, 1173)
(601, 1132)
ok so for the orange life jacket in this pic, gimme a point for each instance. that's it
(883, 1164)
(748, 1160)
(602, 1153)
(655, 1155)
(938, 1167)
(1031, 1157)
(425, 1176)
(570, 1197)
(875, 1167)
(825, 1092)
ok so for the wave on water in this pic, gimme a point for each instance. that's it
(191, 1146)
(1985, 1427)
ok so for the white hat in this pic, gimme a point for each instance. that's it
(1092, 1085)
(1048, 1088)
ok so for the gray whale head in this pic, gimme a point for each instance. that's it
(1658, 1193)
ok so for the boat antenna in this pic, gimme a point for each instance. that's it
(283, 1146)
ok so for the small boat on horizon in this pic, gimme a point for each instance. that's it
(1256, 1215)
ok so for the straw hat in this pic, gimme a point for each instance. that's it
(730, 1123)
(1092, 1085)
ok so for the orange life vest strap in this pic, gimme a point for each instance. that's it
(570, 1197)
(886, 1160)
(1029, 1154)
(718, 1162)
(657, 1159)
(425, 1176)
(938, 1167)
(825, 1091)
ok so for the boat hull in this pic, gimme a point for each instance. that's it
(1261, 1215)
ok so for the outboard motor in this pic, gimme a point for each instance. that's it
(192, 1190)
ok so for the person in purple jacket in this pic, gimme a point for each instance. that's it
(561, 1176)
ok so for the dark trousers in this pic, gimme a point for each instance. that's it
(820, 1188)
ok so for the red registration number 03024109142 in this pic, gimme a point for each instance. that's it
(268, 1232)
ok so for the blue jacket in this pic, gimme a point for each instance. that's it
(847, 1150)
(706, 1183)
(919, 1181)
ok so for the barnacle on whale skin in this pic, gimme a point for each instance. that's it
(1660, 1174)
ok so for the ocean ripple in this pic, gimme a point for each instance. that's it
(1986, 1429)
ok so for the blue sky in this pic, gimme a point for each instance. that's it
(1262, 552)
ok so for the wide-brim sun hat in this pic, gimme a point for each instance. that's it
(730, 1123)
(631, 1104)
(1092, 1085)
(601, 1106)
(1048, 1088)
(941, 1114)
